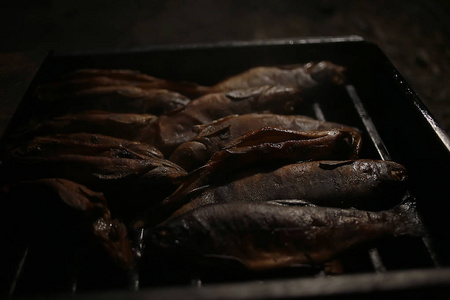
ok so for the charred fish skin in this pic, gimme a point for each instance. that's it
(363, 184)
(265, 236)
(299, 76)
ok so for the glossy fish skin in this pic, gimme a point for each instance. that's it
(298, 76)
(175, 128)
(216, 135)
(124, 99)
(363, 184)
(71, 209)
(265, 236)
(119, 125)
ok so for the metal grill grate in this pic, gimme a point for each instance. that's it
(81, 271)
(132, 280)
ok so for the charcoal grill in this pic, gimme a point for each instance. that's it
(395, 125)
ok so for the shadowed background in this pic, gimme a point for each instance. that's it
(413, 34)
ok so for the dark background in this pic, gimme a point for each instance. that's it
(413, 34)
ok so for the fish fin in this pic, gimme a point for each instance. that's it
(223, 131)
(242, 94)
(411, 222)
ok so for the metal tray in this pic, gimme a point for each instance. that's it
(396, 125)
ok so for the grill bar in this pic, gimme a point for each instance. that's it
(318, 112)
(19, 269)
(133, 276)
(384, 154)
(368, 123)
(134, 281)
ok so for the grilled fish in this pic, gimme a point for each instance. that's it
(119, 125)
(132, 178)
(91, 157)
(271, 147)
(124, 99)
(298, 76)
(363, 184)
(175, 128)
(72, 209)
(88, 78)
(214, 136)
(88, 144)
(266, 236)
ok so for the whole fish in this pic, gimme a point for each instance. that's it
(298, 76)
(132, 178)
(124, 99)
(363, 184)
(214, 136)
(88, 78)
(72, 209)
(177, 127)
(270, 147)
(119, 125)
(87, 144)
(88, 158)
(266, 236)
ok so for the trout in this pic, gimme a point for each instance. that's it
(298, 76)
(266, 236)
(363, 184)
(214, 136)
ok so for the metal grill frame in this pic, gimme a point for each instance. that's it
(405, 109)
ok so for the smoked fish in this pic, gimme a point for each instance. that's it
(214, 136)
(363, 184)
(72, 209)
(177, 127)
(127, 126)
(267, 236)
(123, 99)
(300, 76)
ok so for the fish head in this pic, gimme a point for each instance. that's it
(388, 181)
(190, 155)
(386, 171)
(325, 72)
(169, 238)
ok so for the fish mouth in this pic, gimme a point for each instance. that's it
(399, 174)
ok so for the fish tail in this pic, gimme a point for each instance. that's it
(410, 222)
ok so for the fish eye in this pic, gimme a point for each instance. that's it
(162, 238)
(162, 234)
